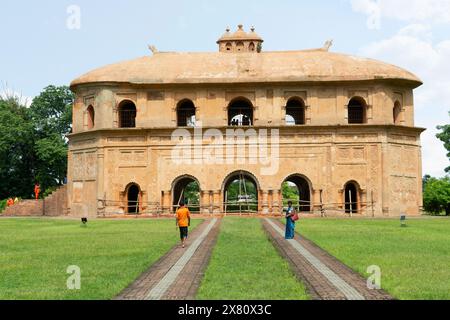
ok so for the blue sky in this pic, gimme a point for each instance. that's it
(38, 49)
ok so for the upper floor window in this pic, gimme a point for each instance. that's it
(295, 112)
(127, 114)
(186, 114)
(228, 46)
(240, 46)
(90, 117)
(240, 113)
(357, 111)
(397, 111)
(251, 47)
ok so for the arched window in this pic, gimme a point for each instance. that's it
(90, 117)
(240, 113)
(251, 47)
(357, 111)
(295, 112)
(351, 198)
(127, 114)
(229, 46)
(397, 111)
(240, 46)
(186, 114)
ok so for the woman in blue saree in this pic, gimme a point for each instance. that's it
(290, 224)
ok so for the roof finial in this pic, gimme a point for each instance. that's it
(241, 27)
(228, 29)
(327, 45)
(153, 49)
(253, 29)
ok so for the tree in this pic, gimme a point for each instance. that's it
(33, 143)
(444, 136)
(436, 196)
(16, 149)
(51, 114)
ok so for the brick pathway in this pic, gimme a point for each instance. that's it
(325, 277)
(178, 274)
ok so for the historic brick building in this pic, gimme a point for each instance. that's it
(346, 130)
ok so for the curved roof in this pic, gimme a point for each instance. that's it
(240, 35)
(266, 67)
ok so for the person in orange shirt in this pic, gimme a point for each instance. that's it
(37, 190)
(10, 202)
(183, 222)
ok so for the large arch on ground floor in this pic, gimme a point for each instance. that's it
(186, 188)
(241, 193)
(352, 196)
(298, 189)
(133, 194)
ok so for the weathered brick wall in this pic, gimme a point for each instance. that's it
(26, 208)
(53, 206)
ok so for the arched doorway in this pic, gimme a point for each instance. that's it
(186, 113)
(297, 189)
(186, 189)
(240, 113)
(91, 117)
(133, 198)
(396, 112)
(351, 198)
(357, 111)
(241, 193)
(295, 112)
(127, 114)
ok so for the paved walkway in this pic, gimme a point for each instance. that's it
(325, 277)
(178, 274)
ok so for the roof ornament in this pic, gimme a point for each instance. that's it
(153, 49)
(327, 45)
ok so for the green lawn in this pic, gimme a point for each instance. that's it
(246, 266)
(415, 261)
(35, 254)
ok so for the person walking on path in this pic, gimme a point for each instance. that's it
(290, 222)
(183, 222)
(37, 190)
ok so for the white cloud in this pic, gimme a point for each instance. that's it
(404, 10)
(412, 49)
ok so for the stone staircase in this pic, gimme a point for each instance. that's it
(53, 206)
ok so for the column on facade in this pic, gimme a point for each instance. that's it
(265, 202)
(217, 202)
(205, 202)
(167, 202)
(101, 203)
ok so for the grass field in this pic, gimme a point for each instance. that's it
(35, 254)
(246, 266)
(414, 261)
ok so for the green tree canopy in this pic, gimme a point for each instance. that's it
(436, 196)
(16, 149)
(444, 136)
(33, 144)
